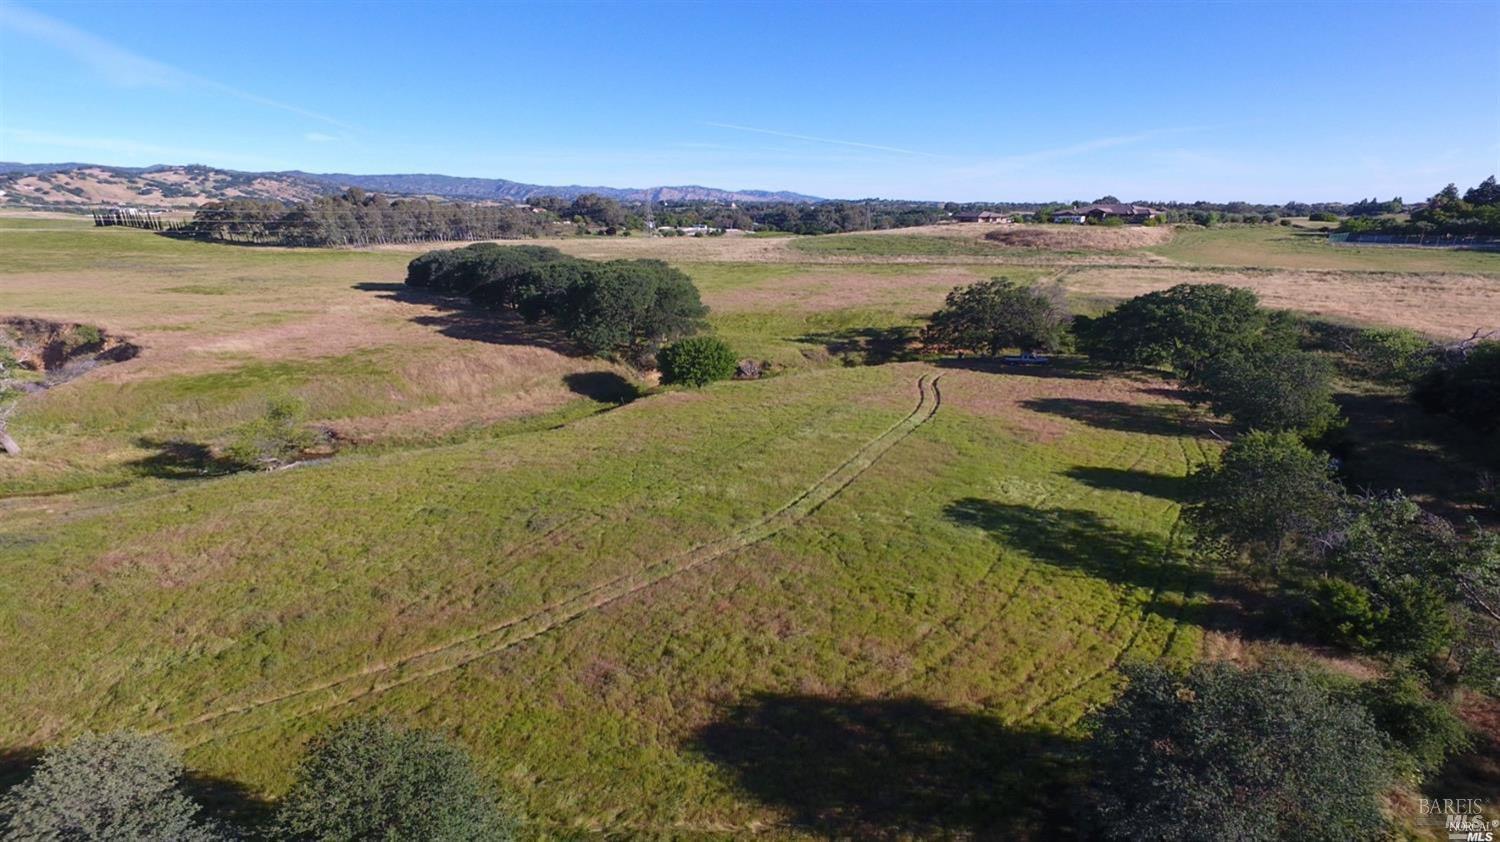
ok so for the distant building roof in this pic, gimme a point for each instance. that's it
(1113, 208)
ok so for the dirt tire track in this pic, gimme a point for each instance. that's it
(451, 655)
(1124, 650)
(967, 640)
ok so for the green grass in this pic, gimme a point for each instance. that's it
(638, 618)
(1274, 246)
(893, 245)
(969, 566)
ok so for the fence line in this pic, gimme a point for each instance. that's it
(1472, 242)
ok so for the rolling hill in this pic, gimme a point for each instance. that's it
(185, 186)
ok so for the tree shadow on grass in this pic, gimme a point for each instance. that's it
(1069, 538)
(16, 764)
(1391, 443)
(1151, 484)
(454, 317)
(602, 386)
(229, 801)
(867, 345)
(894, 768)
(1080, 540)
(1125, 417)
(178, 459)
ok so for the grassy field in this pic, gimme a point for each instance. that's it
(823, 603)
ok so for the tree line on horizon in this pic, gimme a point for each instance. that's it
(357, 218)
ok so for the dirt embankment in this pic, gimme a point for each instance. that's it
(36, 354)
(1080, 237)
(59, 350)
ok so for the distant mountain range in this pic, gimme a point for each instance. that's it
(73, 184)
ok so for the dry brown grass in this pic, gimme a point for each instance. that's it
(835, 289)
(1443, 306)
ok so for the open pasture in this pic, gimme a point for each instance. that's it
(599, 610)
(778, 607)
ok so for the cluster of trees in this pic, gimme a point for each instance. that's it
(1373, 573)
(1376, 573)
(1476, 212)
(356, 218)
(623, 308)
(1241, 359)
(1382, 575)
(831, 217)
(363, 779)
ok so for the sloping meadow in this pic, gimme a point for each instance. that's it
(611, 614)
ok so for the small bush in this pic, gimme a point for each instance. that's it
(274, 439)
(366, 779)
(1425, 732)
(1323, 216)
(696, 361)
(85, 336)
(120, 787)
(1345, 615)
(1392, 355)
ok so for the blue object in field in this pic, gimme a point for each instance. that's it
(1027, 358)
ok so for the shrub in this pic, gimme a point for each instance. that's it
(365, 779)
(1431, 583)
(1264, 498)
(989, 316)
(696, 361)
(1345, 615)
(1323, 216)
(1424, 731)
(120, 787)
(1392, 355)
(1263, 754)
(277, 437)
(1468, 390)
(1271, 390)
(1420, 624)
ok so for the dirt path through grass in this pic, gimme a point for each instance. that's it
(446, 657)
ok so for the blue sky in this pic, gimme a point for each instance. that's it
(960, 101)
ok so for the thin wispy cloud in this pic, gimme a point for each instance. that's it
(318, 137)
(120, 66)
(1072, 150)
(853, 143)
(132, 148)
